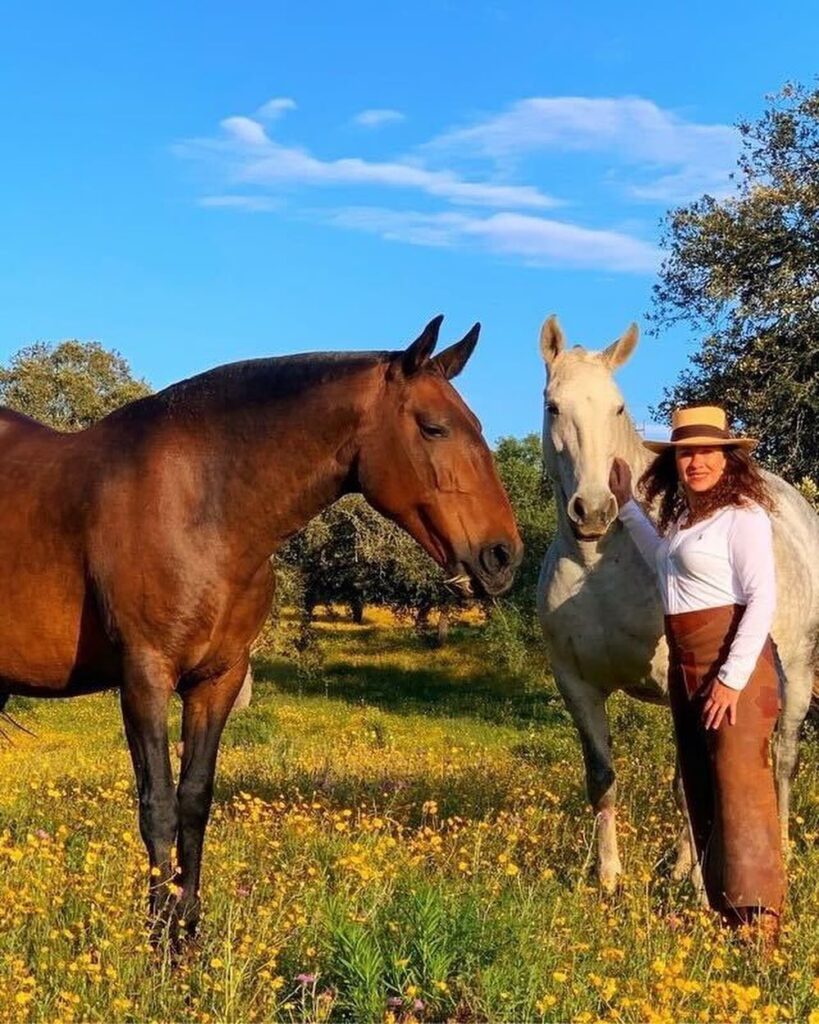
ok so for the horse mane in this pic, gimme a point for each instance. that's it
(631, 443)
(246, 384)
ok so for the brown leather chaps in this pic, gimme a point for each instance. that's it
(727, 772)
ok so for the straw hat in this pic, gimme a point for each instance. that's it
(698, 426)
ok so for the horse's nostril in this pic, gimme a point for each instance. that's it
(496, 557)
(579, 509)
(503, 555)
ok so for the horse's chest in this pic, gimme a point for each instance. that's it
(603, 626)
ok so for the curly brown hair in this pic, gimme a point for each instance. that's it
(740, 483)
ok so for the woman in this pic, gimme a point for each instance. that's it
(713, 553)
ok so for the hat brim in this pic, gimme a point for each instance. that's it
(702, 442)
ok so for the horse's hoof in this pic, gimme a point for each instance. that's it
(699, 886)
(683, 868)
(188, 912)
(164, 936)
(609, 878)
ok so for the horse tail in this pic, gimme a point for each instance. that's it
(7, 718)
(813, 710)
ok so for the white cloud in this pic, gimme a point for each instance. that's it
(538, 240)
(649, 153)
(252, 157)
(375, 118)
(678, 158)
(274, 108)
(245, 130)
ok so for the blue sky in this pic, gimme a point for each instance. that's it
(197, 183)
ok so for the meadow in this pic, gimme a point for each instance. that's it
(399, 835)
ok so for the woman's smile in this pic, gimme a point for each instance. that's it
(700, 468)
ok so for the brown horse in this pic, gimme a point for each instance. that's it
(137, 551)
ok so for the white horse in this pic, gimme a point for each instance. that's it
(599, 603)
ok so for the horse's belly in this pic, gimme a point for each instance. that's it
(51, 637)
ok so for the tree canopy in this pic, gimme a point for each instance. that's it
(351, 555)
(745, 270)
(68, 385)
(520, 466)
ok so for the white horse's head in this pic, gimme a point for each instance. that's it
(584, 426)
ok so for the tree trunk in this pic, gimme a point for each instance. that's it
(357, 610)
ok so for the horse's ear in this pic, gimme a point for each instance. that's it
(453, 359)
(422, 348)
(552, 340)
(619, 351)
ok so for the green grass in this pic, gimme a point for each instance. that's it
(404, 836)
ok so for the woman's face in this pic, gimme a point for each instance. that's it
(700, 468)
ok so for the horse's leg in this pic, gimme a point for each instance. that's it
(145, 694)
(798, 691)
(587, 706)
(246, 692)
(685, 850)
(686, 864)
(205, 711)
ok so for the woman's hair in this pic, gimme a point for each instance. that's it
(740, 483)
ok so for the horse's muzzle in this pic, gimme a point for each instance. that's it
(492, 572)
(588, 521)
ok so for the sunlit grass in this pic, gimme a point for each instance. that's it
(403, 837)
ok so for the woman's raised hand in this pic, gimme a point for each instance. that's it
(620, 481)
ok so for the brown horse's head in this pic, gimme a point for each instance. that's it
(425, 464)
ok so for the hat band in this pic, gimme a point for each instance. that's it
(681, 433)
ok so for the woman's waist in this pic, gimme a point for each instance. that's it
(699, 643)
(704, 630)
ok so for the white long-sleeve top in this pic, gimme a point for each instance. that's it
(725, 559)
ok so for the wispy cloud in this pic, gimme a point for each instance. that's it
(537, 240)
(674, 158)
(626, 151)
(273, 109)
(245, 131)
(251, 157)
(377, 117)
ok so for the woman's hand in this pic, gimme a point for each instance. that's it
(721, 700)
(620, 481)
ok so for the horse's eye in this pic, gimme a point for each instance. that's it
(552, 407)
(621, 410)
(433, 431)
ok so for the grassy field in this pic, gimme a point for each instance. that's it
(402, 837)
